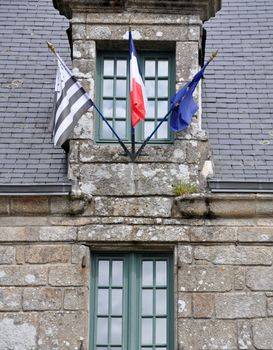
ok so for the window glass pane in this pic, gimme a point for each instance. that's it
(117, 272)
(162, 107)
(120, 109)
(149, 68)
(161, 273)
(147, 302)
(116, 330)
(151, 109)
(108, 87)
(121, 128)
(101, 348)
(106, 133)
(103, 273)
(161, 302)
(121, 88)
(162, 132)
(122, 68)
(148, 129)
(147, 331)
(103, 302)
(107, 108)
(102, 330)
(147, 273)
(163, 88)
(116, 302)
(163, 69)
(161, 331)
(150, 88)
(108, 67)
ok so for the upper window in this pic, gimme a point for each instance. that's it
(113, 95)
(132, 302)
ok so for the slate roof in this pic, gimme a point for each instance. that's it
(238, 91)
(27, 74)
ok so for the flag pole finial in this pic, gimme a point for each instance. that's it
(51, 47)
(213, 55)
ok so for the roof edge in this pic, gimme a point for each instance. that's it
(60, 189)
(241, 186)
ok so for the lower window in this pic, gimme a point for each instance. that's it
(132, 302)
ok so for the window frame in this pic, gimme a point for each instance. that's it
(142, 55)
(131, 315)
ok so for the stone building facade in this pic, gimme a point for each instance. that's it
(221, 244)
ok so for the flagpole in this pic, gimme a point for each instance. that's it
(52, 48)
(133, 134)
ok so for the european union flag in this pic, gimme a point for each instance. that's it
(183, 105)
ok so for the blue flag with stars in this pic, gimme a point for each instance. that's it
(183, 105)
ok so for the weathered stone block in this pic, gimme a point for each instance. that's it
(19, 233)
(18, 331)
(184, 305)
(85, 126)
(105, 233)
(240, 305)
(23, 275)
(270, 306)
(69, 275)
(186, 60)
(239, 278)
(62, 330)
(78, 252)
(47, 254)
(203, 305)
(260, 278)
(42, 299)
(160, 233)
(213, 234)
(207, 334)
(262, 334)
(244, 335)
(56, 233)
(90, 152)
(231, 255)
(204, 279)
(135, 206)
(255, 234)
(4, 205)
(7, 255)
(10, 299)
(184, 253)
(75, 299)
(107, 179)
(29, 205)
(143, 32)
(158, 180)
(84, 49)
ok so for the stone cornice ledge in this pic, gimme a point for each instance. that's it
(204, 8)
(212, 205)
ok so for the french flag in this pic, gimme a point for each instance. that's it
(138, 97)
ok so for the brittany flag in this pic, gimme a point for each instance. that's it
(138, 98)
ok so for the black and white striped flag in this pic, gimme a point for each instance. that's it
(71, 101)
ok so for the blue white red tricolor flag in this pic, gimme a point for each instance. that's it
(138, 97)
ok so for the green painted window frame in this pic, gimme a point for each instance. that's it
(132, 302)
(142, 57)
